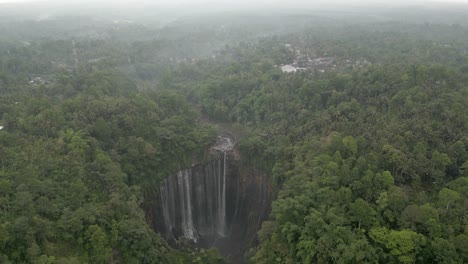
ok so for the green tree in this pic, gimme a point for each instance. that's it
(362, 213)
(404, 245)
(444, 251)
(97, 245)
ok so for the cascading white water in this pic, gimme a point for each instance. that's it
(193, 201)
(222, 211)
(189, 229)
(218, 204)
(183, 209)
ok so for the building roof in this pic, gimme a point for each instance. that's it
(288, 68)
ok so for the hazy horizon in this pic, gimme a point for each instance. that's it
(246, 3)
(190, 7)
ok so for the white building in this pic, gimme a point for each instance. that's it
(288, 68)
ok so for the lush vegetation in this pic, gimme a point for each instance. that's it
(370, 162)
(368, 154)
(75, 156)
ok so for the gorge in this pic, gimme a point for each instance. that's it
(220, 203)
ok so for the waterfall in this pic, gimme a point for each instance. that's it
(188, 220)
(193, 201)
(222, 211)
(220, 204)
(164, 203)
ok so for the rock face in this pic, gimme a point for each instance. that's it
(218, 204)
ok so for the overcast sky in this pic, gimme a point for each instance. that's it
(192, 6)
(245, 2)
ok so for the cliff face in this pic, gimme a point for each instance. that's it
(218, 204)
(249, 201)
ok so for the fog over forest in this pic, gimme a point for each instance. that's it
(243, 132)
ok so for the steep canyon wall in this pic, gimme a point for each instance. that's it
(218, 204)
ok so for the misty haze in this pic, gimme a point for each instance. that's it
(244, 132)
